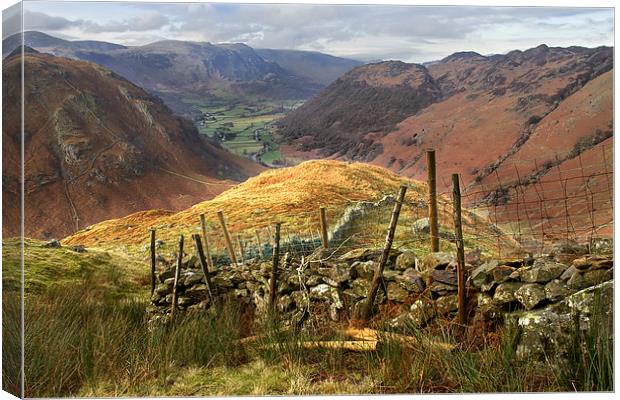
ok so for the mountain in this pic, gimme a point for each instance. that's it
(97, 147)
(173, 68)
(474, 110)
(370, 98)
(317, 67)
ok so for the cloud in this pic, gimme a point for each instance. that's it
(142, 22)
(366, 32)
(34, 20)
(11, 21)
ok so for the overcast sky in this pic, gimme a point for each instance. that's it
(408, 33)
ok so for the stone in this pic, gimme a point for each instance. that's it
(406, 260)
(364, 269)
(444, 276)
(581, 263)
(547, 333)
(530, 295)
(163, 289)
(568, 247)
(285, 303)
(435, 261)
(602, 246)
(577, 281)
(396, 292)
(422, 226)
(314, 280)
(505, 292)
(52, 244)
(601, 263)
(165, 275)
(447, 304)
(358, 288)
(191, 278)
(502, 273)
(223, 281)
(556, 290)
(597, 276)
(422, 311)
(570, 271)
(543, 271)
(78, 248)
(411, 281)
(198, 292)
(321, 292)
(390, 275)
(442, 289)
(335, 275)
(482, 275)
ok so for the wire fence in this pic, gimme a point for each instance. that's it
(526, 207)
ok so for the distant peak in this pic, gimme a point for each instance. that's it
(463, 55)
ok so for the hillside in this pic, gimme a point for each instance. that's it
(99, 147)
(292, 196)
(478, 113)
(370, 98)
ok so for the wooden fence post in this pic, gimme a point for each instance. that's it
(432, 199)
(460, 250)
(273, 284)
(323, 221)
(229, 245)
(177, 275)
(153, 261)
(241, 249)
(204, 266)
(203, 228)
(366, 311)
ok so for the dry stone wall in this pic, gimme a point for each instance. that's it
(527, 292)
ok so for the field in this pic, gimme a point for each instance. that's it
(242, 126)
(83, 341)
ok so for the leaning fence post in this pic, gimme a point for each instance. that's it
(323, 221)
(177, 276)
(366, 310)
(274, 270)
(153, 259)
(432, 199)
(203, 227)
(460, 250)
(229, 245)
(204, 266)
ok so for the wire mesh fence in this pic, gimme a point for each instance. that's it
(518, 210)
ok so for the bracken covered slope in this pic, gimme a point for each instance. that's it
(98, 147)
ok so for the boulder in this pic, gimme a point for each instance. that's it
(422, 226)
(442, 289)
(411, 281)
(444, 276)
(576, 281)
(570, 271)
(568, 247)
(335, 275)
(422, 311)
(222, 280)
(364, 269)
(191, 278)
(597, 276)
(548, 333)
(556, 290)
(474, 257)
(543, 271)
(358, 288)
(396, 292)
(52, 244)
(505, 292)
(530, 295)
(406, 260)
(602, 246)
(502, 273)
(483, 275)
(447, 304)
(435, 261)
(78, 248)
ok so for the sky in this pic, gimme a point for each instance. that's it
(362, 32)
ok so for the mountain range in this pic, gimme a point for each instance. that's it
(172, 69)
